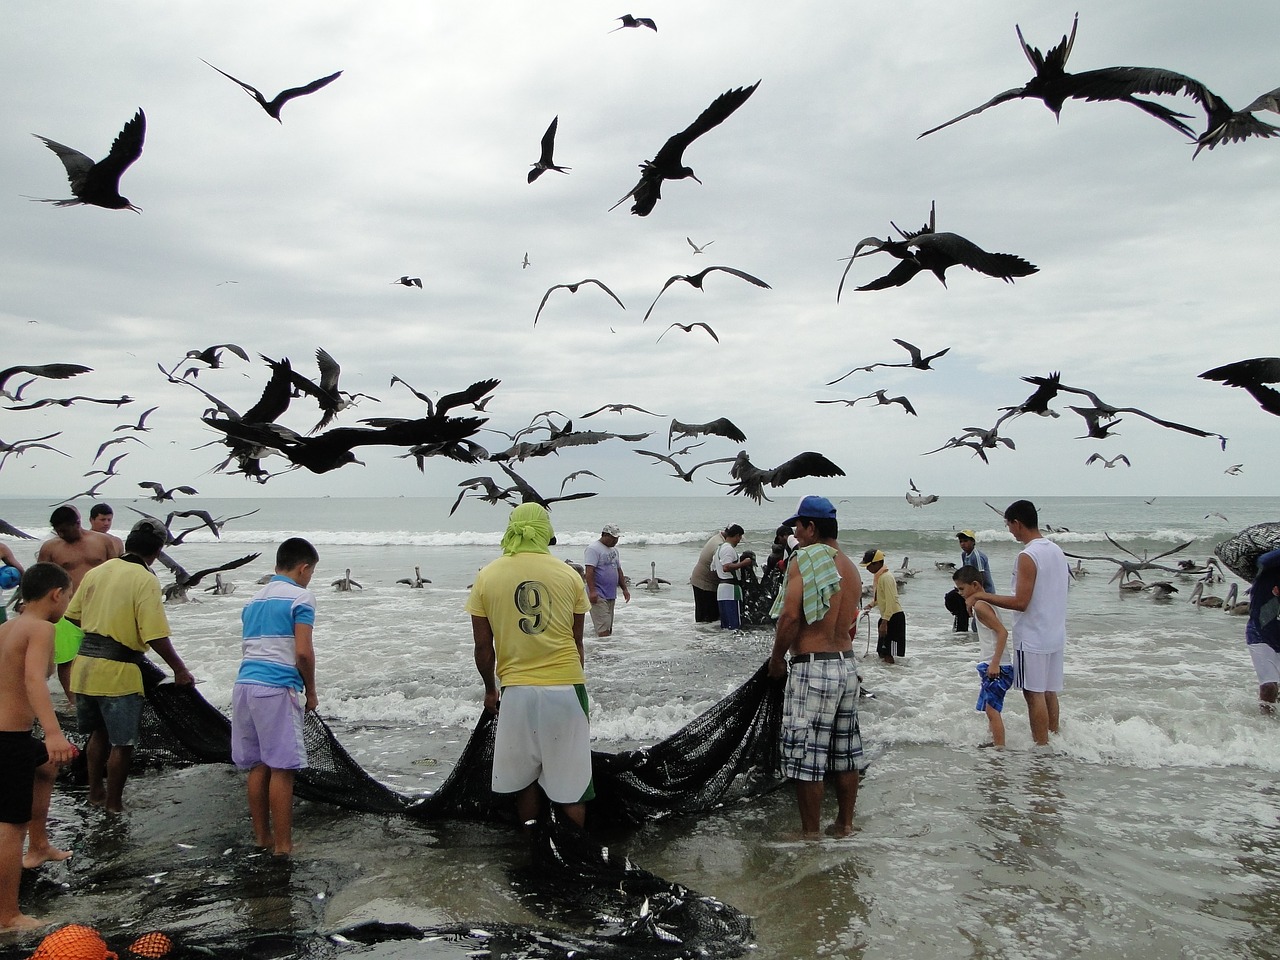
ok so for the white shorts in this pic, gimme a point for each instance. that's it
(543, 735)
(1037, 672)
(1266, 663)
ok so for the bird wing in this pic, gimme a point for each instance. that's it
(670, 281)
(145, 413)
(251, 90)
(1094, 457)
(284, 96)
(201, 574)
(126, 148)
(865, 242)
(916, 356)
(906, 405)
(896, 277)
(558, 286)
(1242, 373)
(1123, 459)
(157, 488)
(329, 371)
(1006, 266)
(741, 275)
(1268, 101)
(9, 530)
(204, 517)
(51, 371)
(605, 289)
(688, 327)
(470, 395)
(76, 163)
(720, 110)
(808, 464)
(1016, 93)
(549, 142)
(275, 395)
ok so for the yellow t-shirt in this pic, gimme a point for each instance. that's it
(121, 600)
(530, 600)
(886, 595)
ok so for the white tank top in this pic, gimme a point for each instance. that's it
(987, 643)
(1042, 627)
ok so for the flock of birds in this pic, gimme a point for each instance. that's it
(450, 426)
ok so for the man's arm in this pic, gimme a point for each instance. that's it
(622, 582)
(1021, 597)
(579, 619)
(7, 556)
(487, 659)
(181, 675)
(304, 653)
(37, 668)
(790, 620)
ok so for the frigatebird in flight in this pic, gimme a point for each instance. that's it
(680, 472)
(696, 280)
(98, 184)
(629, 21)
(752, 479)
(573, 288)
(918, 360)
(668, 163)
(544, 162)
(1054, 86)
(721, 427)
(1250, 375)
(881, 398)
(50, 371)
(688, 328)
(274, 106)
(1105, 411)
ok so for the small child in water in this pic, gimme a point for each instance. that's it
(275, 687)
(27, 766)
(996, 667)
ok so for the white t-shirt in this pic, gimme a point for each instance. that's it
(725, 553)
(1042, 627)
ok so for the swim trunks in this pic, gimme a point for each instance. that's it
(602, 616)
(20, 755)
(1037, 672)
(66, 641)
(820, 719)
(993, 688)
(119, 716)
(266, 727)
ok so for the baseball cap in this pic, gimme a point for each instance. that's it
(966, 535)
(813, 508)
(871, 556)
(152, 525)
(611, 529)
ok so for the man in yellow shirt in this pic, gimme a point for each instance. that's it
(892, 627)
(119, 607)
(527, 612)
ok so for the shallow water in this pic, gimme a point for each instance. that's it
(1143, 832)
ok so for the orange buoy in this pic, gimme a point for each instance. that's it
(73, 942)
(151, 945)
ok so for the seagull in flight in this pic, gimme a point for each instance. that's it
(544, 162)
(668, 163)
(918, 360)
(524, 264)
(573, 288)
(696, 280)
(698, 249)
(1234, 470)
(98, 184)
(1118, 458)
(274, 106)
(1053, 85)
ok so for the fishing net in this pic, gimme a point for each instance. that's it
(1240, 553)
(758, 595)
(615, 908)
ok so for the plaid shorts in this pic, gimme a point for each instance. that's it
(820, 720)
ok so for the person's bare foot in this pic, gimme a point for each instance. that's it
(21, 922)
(799, 835)
(38, 856)
(839, 830)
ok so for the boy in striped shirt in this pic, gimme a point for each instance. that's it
(278, 664)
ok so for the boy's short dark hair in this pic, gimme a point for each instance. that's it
(733, 530)
(101, 510)
(40, 579)
(63, 515)
(1024, 512)
(295, 551)
(967, 574)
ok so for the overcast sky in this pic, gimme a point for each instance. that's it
(1153, 268)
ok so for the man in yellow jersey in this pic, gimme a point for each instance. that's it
(527, 612)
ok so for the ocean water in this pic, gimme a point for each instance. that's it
(1145, 831)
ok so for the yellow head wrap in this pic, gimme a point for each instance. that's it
(528, 530)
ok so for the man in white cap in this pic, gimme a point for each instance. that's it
(604, 578)
(816, 607)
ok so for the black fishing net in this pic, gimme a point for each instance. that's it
(758, 594)
(613, 908)
(1240, 553)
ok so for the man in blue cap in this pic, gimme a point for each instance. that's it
(815, 609)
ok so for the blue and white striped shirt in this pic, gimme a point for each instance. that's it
(269, 652)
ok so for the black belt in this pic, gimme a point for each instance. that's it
(105, 648)
(833, 655)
